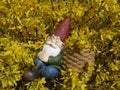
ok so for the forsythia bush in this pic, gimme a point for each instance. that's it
(25, 25)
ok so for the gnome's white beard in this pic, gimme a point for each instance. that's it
(51, 51)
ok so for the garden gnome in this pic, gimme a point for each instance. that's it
(49, 59)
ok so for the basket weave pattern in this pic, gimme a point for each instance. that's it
(77, 60)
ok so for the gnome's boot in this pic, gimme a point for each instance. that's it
(32, 74)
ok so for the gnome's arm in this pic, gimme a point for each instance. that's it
(43, 56)
(50, 59)
(55, 60)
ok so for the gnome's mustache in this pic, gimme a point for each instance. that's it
(51, 50)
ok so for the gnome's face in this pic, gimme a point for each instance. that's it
(53, 46)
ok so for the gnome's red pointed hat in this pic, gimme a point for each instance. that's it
(62, 29)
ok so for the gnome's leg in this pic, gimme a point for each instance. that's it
(36, 71)
(47, 71)
(50, 71)
(39, 63)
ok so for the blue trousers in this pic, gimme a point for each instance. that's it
(47, 70)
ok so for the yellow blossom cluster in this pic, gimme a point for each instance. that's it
(26, 24)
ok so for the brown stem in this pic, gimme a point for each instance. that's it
(51, 2)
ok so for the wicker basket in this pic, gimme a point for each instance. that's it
(77, 60)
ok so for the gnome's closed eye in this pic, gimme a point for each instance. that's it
(51, 45)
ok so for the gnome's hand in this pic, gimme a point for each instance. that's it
(43, 56)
